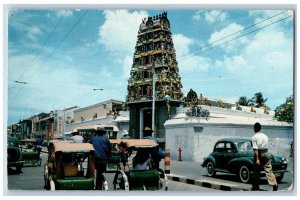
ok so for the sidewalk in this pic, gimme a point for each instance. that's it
(193, 173)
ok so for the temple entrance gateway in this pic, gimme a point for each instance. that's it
(154, 70)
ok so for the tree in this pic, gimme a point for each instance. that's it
(243, 101)
(285, 112)
(259, 100)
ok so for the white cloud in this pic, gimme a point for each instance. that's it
(215, 16)
(29, 30)
(127, 63)
(186, 60)
(65, 13)
(233, 64)
(181, 44)
(217, 38)
(119, 32)
(197, 15)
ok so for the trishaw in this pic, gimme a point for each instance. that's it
(70, 166)
(31, 152)
(130, 179)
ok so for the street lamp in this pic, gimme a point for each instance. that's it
(154, 78)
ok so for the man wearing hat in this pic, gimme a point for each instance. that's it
(125, 135)
(76, 138)
(156, 154)
(102, 148)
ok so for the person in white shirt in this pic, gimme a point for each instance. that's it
(261, 159)
(76, 138)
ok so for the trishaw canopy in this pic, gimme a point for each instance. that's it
(73, 147)
(139, 143)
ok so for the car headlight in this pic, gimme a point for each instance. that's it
(284, 160)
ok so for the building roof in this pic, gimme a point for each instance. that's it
(101, 103)
(222, 116)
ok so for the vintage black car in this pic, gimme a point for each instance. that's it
(14, 156)
(236, 156)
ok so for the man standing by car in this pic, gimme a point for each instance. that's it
(102, 148)
(262, 159)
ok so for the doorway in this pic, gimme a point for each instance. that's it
(146, 120)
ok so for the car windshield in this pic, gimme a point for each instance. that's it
(244, 146)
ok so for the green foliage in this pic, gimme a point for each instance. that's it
(285, 112)
(243, 101)
(259, 100)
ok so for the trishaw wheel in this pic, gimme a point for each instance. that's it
(52, 185)
(120, 181)
(163, 181)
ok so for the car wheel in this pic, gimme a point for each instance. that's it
(210, 169)
(121, 181)
(244, 174)
(279, 178)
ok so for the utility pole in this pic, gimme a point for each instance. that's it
(153, 100)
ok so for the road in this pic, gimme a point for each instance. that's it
(196, 172)
(31, 178)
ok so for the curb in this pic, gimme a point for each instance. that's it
(223, 187)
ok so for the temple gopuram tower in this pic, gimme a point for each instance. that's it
(154, 60)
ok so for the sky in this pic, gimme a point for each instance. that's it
(62, 55)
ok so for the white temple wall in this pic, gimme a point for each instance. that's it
(196, 145)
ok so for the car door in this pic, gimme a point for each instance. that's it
(230, 154)
(220, 154)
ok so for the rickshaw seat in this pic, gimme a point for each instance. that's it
(140, 178)
(75, 183)
(70, 170)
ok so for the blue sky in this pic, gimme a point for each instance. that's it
(63, 55)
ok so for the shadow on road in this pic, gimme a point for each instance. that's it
(230, 177)
(11, 171)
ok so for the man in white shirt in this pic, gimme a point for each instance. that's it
(262, 159)
(76, 138)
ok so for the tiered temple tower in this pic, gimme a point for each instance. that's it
(154, 53)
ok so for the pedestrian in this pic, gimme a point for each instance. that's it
(156, 154)
(102, 148)
(76, 138)
(125, 135)
(262, 159)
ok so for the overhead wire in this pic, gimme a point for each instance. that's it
(39, 52)
(235, 38)
(53, 51)
(209, 44)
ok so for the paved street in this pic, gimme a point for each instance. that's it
(31, 178)
(196, 172)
